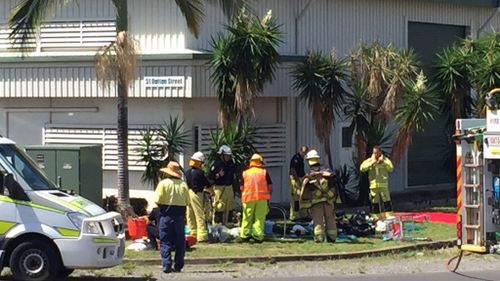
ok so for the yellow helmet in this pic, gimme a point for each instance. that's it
(256, 160)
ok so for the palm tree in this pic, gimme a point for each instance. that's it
(321, 82)
(116, 63)
(243, 60)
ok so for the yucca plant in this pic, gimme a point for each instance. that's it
(420, 105)
(322, 81)
(469, 64)
(159, 145)
(243, 60)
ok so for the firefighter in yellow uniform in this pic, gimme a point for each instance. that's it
(318, 193)
(256, 191)
(378, 167)
(197, 182)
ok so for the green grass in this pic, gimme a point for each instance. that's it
(436, 231)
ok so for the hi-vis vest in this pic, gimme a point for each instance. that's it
(255, 185)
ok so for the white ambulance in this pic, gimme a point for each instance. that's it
(46, 233)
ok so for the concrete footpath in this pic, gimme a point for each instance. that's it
(309, 257)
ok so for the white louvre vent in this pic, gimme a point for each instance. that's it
(104, 136)
(270, 141)
(64, 35)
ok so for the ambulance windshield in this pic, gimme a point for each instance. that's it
(25, 167)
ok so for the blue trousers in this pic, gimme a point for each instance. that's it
(172, 237)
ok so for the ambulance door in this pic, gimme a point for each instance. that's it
(8, 214)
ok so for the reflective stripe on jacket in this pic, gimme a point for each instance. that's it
(255, 186)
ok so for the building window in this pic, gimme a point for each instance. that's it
(346, 137)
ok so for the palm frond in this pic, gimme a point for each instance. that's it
(192, 10)
(27, 16)
(230, 7)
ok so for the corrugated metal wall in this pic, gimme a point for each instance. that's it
(78, 80)
(158, 25)
(342, 24)
(280, 87)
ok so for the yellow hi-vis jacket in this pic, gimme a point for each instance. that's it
(172, 192)
(378, 173)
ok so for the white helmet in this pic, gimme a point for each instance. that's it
(312, 154)
(224, 149)
(198, 156)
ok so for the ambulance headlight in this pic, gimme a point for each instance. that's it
(77, 219)
(92, 227)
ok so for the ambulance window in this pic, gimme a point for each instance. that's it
(26, 168)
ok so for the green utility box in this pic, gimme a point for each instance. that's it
(77, 168)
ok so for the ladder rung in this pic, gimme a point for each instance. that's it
(473, 165)
(474, 226)
(472, 206)
(474, 185)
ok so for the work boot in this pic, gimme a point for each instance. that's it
(330, 240)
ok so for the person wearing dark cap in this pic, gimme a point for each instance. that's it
(172, 197)
(297, 173)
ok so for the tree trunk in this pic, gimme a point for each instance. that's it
(122, 143)
(364, 183)
(328, 152)
(124, 206)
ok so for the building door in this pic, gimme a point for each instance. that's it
(26, 128)
(431, 156)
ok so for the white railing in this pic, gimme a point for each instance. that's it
(64, 35)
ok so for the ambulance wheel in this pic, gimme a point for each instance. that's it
(34, 261)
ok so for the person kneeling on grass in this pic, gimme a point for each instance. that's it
(152, 228)
(255, 193)
(172, 197)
